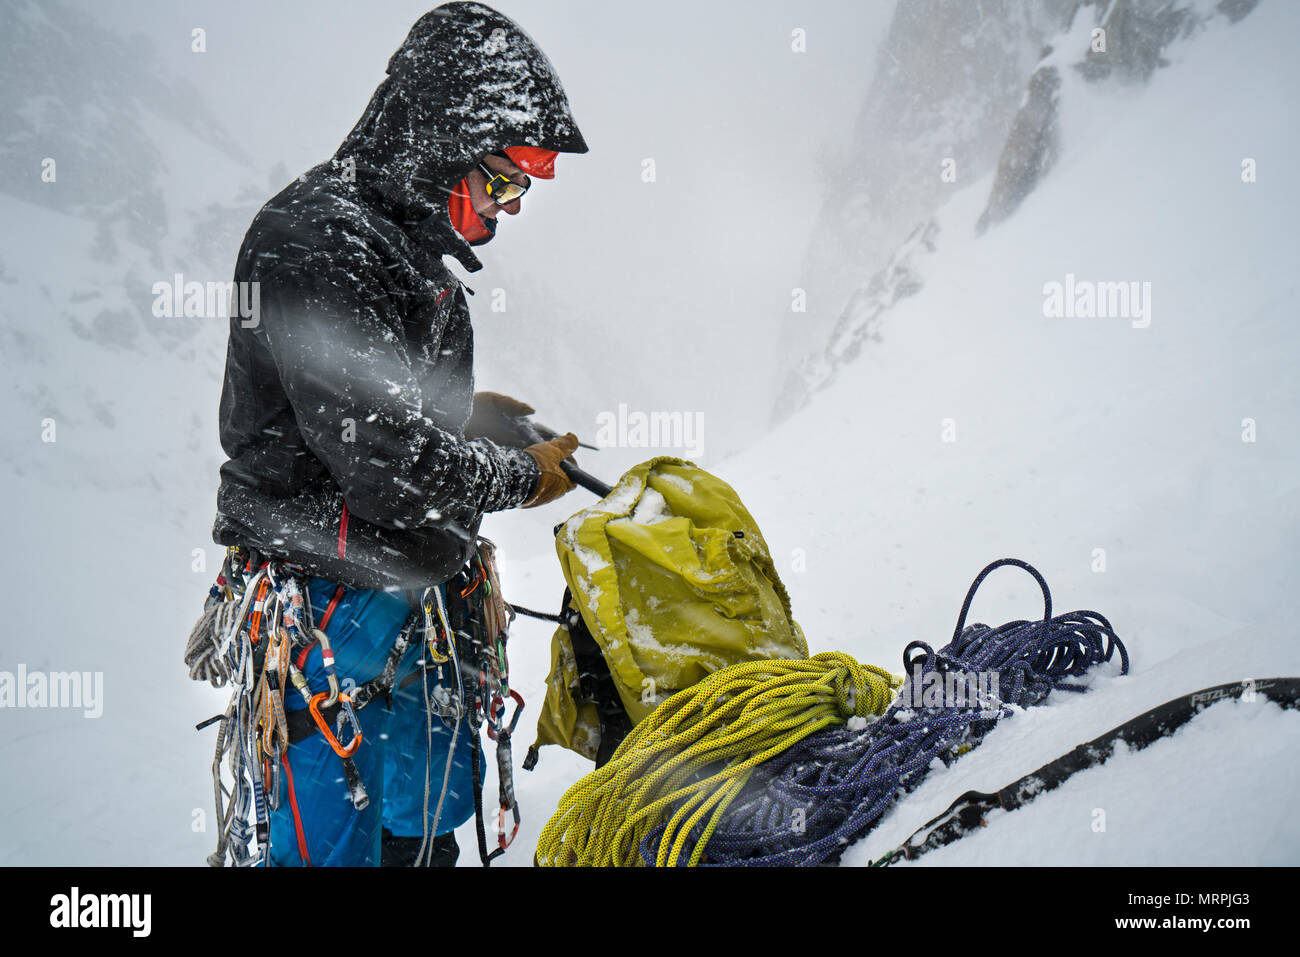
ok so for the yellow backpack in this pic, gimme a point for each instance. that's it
(669, 579)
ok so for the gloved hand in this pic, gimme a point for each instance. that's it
(552, 482)
(493, 417)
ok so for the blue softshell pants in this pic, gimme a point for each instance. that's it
(399, 746)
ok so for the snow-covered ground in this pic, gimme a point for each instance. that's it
(1078, 434)
(1071, 435)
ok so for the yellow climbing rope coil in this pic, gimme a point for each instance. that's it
(692, 755)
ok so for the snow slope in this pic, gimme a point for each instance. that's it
(1072, 435)
(1075, 434)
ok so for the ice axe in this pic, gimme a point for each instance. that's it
(506, 422)
(535, 432)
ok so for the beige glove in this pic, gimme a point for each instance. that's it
(552, 482)
(493, 417)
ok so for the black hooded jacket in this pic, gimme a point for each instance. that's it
(345, 396)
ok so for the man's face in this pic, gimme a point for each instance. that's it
(484, 204)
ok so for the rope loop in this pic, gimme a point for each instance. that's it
(837, 780)
(682, 765)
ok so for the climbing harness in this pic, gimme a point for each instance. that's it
(467, 635)
(970, 810)
(255, 633)
(826, 792)
(479, 623)
(690, 757)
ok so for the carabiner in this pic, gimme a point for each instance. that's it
(493, 719)
(345, 714)
(432, 634)
(519, 707)
(271, 773)
(502, 841)
(477, 580)
(496, 711)
(327, 662)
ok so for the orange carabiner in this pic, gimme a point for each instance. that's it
(339, 749)
(470, 588)
(262, 588)
(502, 841)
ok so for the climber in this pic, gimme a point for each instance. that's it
(357, 454)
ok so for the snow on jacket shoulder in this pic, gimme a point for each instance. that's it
(344, 402)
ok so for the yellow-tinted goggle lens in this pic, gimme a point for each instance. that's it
(503, 190)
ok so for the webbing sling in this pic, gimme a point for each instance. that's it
(970, 810)
(596, 683)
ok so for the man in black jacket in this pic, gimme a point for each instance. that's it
(347, 395)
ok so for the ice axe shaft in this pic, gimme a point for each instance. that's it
(586, 480)
(536, 434)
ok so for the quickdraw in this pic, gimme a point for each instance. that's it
(479, 631)
(255, 617)
(360, 799)
(508, 804)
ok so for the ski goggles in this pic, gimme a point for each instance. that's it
(502, 189)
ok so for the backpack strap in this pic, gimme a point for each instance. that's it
(595, 682)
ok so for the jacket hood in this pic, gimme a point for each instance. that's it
(467, 81)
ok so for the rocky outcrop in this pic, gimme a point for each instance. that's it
(1120, 41)
(981, 85)
(947, 81)
(1031, 147)
(859, 322)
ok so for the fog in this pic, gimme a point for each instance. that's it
(665, 295)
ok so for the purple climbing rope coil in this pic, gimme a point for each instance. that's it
(805, 806)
